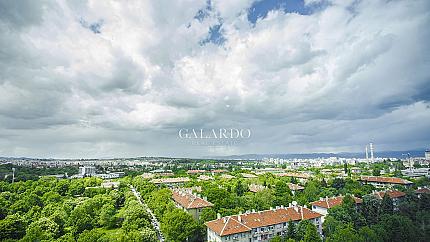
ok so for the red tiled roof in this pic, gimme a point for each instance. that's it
(333, 201)
(219, 171)
(381, 179)
(195, 171)
(392, 194)
(422, 190)
(171, 180)
(294, 174)
(246, 222)
(188, 200)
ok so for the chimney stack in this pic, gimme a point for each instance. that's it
(218, 215)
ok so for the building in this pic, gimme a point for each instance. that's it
(427, 154)
(422, 190)
(395, 195)
(227, 176)
(110, 184)
(205, 178)
(302, 177)
(324, 204)
(294, 188)
(87, 171)
(248, 175)
(416, 172)
(171, 181)
(190, 202)
(259, 226)
(193, 172)
(111, 175)
(382, 182)
(256, 188)
(218, 171)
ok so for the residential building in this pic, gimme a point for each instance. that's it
(171, 181)
(256, 188)
(259, 226)
(191, 203)
(294, 188)
(383, 182)
(422, 190)
(248, 175)
(395, 195)
(227, 176)
(302, 177)
(205, 178)
(416, 172)
(87, 171)
(193, 172)
(324, 204)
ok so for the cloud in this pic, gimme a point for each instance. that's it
(103, 78)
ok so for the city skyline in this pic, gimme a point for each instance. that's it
(95, 79)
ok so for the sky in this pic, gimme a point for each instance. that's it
(98, 79)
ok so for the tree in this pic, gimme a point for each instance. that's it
(345, 234)
(240, 188)
(42, 229)
(331, 225)
(399, 228)
(277, 238)
(311, 234)
(301, 229)
(178, 225)
(107, 216)
(207, 214)
(371, 209)
(282, 194)
(369, 235)
(376, 172)
(12, 227)
(387, 204)
(291, 229)
(135, 216)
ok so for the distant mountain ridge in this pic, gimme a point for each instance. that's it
(382, 154)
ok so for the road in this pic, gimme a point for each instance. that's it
(154, 220)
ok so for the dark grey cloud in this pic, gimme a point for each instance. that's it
(103, 79)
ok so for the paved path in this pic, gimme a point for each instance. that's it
(154, 220)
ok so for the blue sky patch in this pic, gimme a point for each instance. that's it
(260, 9)
(94, 27)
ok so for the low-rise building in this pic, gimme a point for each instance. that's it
(324, 204)
(193, 172)
(248, 175)
(205, 178)
(227, 176)
(422, 190)
(259, 226)
(191, 203)
(416, 172)
(294, 188)
(256, 188)
(171, 181)
(302, 177)
(382, 182)
(395, 195)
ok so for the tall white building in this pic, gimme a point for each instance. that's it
(87, 170)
